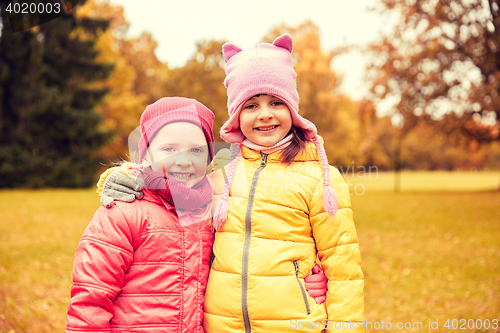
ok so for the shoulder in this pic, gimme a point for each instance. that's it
(335, 176)
(135, 213)
(123, 221)
(108, 220)
(124, 209)
(311, 169)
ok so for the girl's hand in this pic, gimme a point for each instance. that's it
(119, 186)
(316, 284)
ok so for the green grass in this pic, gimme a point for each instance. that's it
(427, 254)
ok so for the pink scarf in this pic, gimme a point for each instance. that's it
(192, 204)
(271, 149)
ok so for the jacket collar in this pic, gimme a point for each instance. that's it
(154, 198)
(308, 154)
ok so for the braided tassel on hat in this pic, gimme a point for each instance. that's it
(330, 200)
(220, 213)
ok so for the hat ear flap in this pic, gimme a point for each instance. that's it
(285, 41)
(229, 50)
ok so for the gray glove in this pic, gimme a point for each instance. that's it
(118, 186)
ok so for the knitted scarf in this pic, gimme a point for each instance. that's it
(191, 204)
(268, 150)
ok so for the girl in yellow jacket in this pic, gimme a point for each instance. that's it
(281, 207)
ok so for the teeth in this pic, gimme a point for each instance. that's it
(267, 128)
(181, 175)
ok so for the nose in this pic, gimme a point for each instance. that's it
(265, 113)
(182, 159)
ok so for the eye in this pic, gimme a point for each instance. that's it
(168, 149)
(250, 107)
(277, 103)
(197, 150)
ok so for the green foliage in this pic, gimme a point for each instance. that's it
(60, 98)
(135, 81)
(49, 132)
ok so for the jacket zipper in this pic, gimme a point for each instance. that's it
(296, 266)
(246, 244)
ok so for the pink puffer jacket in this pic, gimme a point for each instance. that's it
(137, 270)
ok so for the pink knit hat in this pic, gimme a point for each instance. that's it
(168, 110)
(264, 69)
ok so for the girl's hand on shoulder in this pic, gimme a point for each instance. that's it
(121, 185)
(316, 284)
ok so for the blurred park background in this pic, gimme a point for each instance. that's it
(419, 144)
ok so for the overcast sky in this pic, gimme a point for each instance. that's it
(178, 25)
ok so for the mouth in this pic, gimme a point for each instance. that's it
(180, 175)
(266, 128)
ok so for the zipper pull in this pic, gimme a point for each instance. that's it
(263, 161)
(296, 266)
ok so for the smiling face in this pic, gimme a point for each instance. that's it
(179, 150)
(265, 119)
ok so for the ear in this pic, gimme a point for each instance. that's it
(229, 50)
(285, 41)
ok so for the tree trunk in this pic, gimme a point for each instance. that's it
(498, 185)
(397, 161)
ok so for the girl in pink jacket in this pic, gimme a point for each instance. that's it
(143, 266)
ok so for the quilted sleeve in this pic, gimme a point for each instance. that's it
(338, 250)
(104, 254)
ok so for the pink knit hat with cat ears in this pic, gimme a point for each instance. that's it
(264, 69)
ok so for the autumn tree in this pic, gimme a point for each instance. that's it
(151, 73)
(441, 57)
(334, 114)
(439, 146)
(135, 82)
(202, 78)
(430, 145)
(377, 133)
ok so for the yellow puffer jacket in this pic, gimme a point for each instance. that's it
(276, 228)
